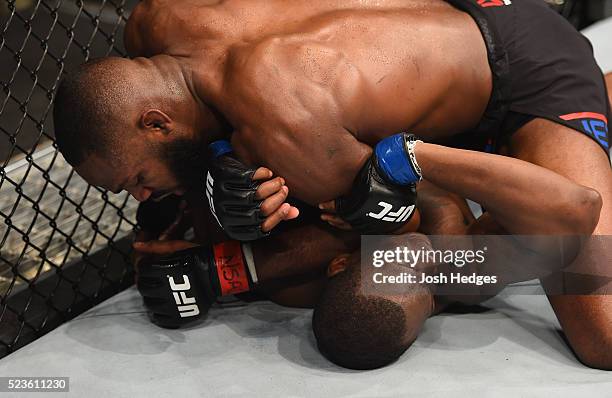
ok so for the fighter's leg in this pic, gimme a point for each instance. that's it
(586, 319)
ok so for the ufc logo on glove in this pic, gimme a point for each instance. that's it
(210, 183)
(186, 306)
(387, 213)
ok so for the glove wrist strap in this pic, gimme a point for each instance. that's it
(411, 141)
(395, 158)
(231, 267)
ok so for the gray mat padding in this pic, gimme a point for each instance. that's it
(263, 350)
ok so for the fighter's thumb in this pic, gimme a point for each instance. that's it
(162, 247)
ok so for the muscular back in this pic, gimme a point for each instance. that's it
(312, 81)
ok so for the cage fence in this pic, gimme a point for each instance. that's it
(64, 245)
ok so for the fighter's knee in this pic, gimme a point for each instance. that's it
(587, 206)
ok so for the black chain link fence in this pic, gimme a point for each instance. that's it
(63, 244)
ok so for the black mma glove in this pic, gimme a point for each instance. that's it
(180, 288)
(230, 190)
(383, 196)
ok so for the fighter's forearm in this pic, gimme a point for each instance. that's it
(523, 198)
(300, 247)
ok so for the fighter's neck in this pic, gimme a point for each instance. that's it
(205, 84)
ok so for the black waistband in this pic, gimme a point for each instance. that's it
(498, 105)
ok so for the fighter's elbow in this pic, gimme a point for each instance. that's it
(597, 355)
(584, 208)
(599, 361)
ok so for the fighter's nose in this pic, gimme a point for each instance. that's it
(141, 194)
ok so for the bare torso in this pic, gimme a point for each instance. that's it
(308, 86)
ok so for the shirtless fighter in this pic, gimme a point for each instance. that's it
(306, 89)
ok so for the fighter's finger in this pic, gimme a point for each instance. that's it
(329, 207)
(273, 202)
(337, 222)
(262, 173)
(275, 218)
(269, 188)
(294, 212)
(162, 247)
(340, 225)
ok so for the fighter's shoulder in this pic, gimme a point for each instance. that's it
(299, 54)
(139, 34)
(291, 62)
(155, 25)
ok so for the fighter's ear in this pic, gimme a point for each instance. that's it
(337, 265)
(155, 120)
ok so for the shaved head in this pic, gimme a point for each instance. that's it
(134, 124)
(359, 324)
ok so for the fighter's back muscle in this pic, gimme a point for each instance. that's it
(306, 96)
(407, 51)
(284, 99)
(412, 72)
(387, 70)
(167, 26)
(305, 82)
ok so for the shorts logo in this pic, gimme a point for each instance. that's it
(387, 213)
(494, 3)
(593, 124)
(186, 306)
(210, 183)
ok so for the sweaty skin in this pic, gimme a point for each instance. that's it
(306, 88)
(317, 86)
